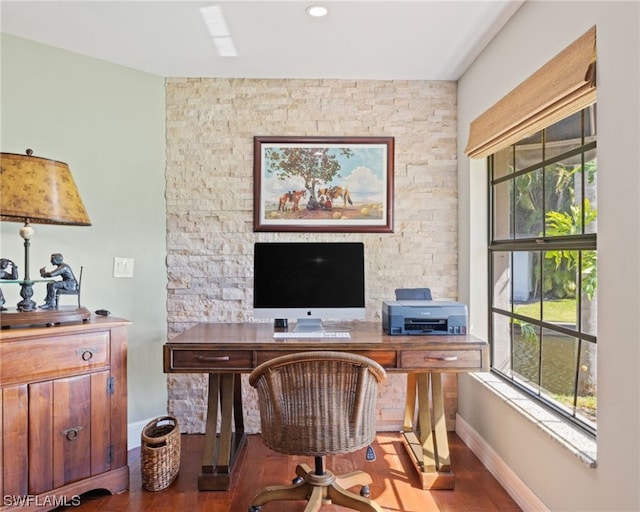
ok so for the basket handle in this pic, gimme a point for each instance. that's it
(155, 423)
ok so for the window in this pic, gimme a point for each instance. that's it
(543, 265)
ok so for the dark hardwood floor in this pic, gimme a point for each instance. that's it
(395, 486)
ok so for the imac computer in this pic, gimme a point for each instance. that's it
(309, 282)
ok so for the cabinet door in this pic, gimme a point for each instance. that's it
(15, 431)
(40, 438)
(69, 420)
(101, 421)
(1, 446)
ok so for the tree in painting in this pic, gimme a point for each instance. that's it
(315, 166)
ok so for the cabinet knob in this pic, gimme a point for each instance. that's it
(72, 433)
(86, 353)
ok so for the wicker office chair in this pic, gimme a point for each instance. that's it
(317, 404)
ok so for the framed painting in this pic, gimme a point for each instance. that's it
(324, 184)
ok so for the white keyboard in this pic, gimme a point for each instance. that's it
(315, 334)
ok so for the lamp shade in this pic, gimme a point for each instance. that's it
(39, 191)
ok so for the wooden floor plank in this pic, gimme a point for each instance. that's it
(395, 487)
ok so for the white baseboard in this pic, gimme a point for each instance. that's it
(134, 431)
(515, 487)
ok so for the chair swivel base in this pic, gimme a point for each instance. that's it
(320, 489)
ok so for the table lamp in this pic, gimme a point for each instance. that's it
(37, 191)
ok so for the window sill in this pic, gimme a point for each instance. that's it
(578, 443)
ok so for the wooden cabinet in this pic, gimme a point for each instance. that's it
(63, 413)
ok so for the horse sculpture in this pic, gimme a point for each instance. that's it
(293, 196)
(336, 192)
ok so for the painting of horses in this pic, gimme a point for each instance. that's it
(329, 184)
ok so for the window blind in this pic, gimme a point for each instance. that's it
(563, 86)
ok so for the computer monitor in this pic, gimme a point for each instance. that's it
(309, 282)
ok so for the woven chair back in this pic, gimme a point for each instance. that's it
(318, 403)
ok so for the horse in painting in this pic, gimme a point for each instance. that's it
(335, 192)
(293, 197)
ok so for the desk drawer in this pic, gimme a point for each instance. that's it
(211, 360)
(385, 358)
(442, 360)
(53, 357)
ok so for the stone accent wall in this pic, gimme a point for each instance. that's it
(210, 128)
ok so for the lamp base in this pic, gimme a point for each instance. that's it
(48, 317)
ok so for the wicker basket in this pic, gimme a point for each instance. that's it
(160, 453)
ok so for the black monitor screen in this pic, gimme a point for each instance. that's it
(316, 279)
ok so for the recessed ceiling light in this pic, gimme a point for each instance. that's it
(225, 46)
(317, 11)
(214, 19)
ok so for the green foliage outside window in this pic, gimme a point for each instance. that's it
(544, 267)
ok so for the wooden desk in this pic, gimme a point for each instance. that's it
(225, 351)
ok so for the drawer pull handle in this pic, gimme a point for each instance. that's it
(72, 433)
(442, 358)
(213, 358)
(87, 353)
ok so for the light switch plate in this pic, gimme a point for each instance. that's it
(123, 267)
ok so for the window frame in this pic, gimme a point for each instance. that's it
(586, 241)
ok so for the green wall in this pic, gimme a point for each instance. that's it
(108, 123)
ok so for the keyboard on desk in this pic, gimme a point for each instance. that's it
(333, 335)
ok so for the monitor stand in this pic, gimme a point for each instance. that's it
(309, 325)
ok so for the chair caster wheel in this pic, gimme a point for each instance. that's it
(297, 480)
(365, 492)
(255, 508)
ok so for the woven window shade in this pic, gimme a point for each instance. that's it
(563, 86)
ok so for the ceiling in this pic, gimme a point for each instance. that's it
(360, 39)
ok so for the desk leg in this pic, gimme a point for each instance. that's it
(221, 450)
(440, 425)
(427, 441)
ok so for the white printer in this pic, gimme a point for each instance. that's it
(402, 317)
